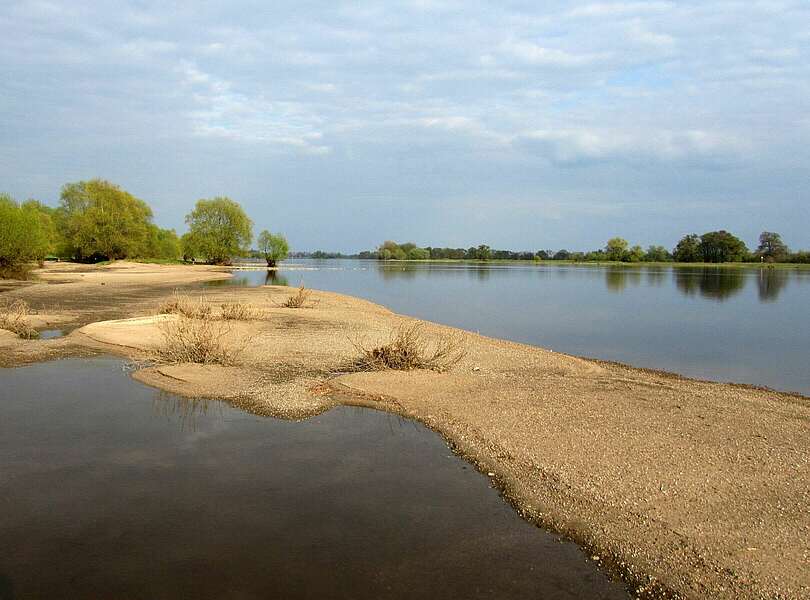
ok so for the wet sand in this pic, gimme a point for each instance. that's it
(682, 487)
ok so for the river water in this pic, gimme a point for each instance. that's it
(111, 489)
(746, 325)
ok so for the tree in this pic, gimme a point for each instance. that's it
(218, 230)
(562, 255)
(616, 249)
(721, 246)
(771, 247)
(688, 249)
(161, 243)
(419, 254)
(656, 254)
(99, 220)
(22, 237)
(635, 254)
(273, 247)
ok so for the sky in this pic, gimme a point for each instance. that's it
(521, 125)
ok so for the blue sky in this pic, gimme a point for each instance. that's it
(516, 124)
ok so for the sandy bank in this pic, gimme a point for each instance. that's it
(694, 488)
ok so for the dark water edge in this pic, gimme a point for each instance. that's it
(114, 490)
(745, 325)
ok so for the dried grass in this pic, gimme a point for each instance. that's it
(202, 341)
(188, 307)
(299, 299)
(239, 311)
(14, 318)
(409, 348)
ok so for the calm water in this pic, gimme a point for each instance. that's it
(742, 325)
(113, 490)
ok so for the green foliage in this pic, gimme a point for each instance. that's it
(273, 247)
(771, 247)
(100, 221)
(162, 244)
(24, 234)
(419, 254)
(657, 254)
(218, 231)
(616, 249)
(721, 246)
(688, 249)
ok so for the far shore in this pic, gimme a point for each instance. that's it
(683, 488)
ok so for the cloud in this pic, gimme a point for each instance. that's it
(582, 147)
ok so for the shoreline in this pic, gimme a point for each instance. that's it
(632, 464)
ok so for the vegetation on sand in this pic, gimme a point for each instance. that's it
(409, 348)
(14, 318)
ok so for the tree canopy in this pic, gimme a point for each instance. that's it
(273, 246)
(25, 233)
(721, 246)
(98, 220)
(771, 247)
(219, 230)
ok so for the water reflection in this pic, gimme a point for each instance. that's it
(274, 278)
(187, 411)
(617, 278)
(770, 282)
(713, 283)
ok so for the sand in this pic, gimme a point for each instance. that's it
(682, 487)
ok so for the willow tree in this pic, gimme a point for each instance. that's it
(219, 230)
(24, 235)
(99, 220)
(273, 246)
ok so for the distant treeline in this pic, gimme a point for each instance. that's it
(98, 221)
(712, 247)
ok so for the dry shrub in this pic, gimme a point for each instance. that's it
(202, 341)
(186, 306)
(299, 299)
(14, 318)
(239, 311)
(409, 348)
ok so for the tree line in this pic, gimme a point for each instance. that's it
(711, 247)
(97, 220)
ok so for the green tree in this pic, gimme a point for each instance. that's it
(656, 254)
(99, 220)
(616, 249)
(218, 230)
(273, 247)
(771, 247)
(419, 254)
(161, 243)
(721, 246)
(22, 235)
(635, 254)
(688, 249)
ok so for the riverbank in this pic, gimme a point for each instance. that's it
(681, 486)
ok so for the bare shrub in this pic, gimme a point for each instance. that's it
(409, 348)
(239, 311)
(202, 341)
(299, 299)
(179, 304)
(14, 318)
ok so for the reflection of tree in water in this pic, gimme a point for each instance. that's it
(273, 278)
(187, 411)
(716, 283)
(617, 278)
(770, 283)
(397, 271)
(655, 276)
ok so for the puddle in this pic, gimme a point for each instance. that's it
(50, 334)
(114, 490)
